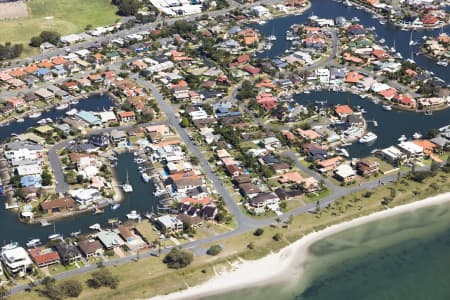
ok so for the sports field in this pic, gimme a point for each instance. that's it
(64, 16)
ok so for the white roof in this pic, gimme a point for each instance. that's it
(107, 116)
(29, 170)
(168, 221)
(345, 171)
(16, 258)
(410, 147)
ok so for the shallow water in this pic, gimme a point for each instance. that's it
(401, 257)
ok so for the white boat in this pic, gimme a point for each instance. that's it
(347, 3)
(272, 38)
(71, 112)
(343, 152)
(375, 101)
(74, 101)
(387, 107)
(158, 193)
(355, 19)
(35, 115)
(42, 122)
(402, 138)
(382, 22)
(49, 120)
(33, 243)
(75, 234)
(382, 41)
(96, 226)
(398, 55)
(368, 137)
(10, 246)
(442, 63)
(417, 136)
(306, 92)
(115, 206)
(62, 106)
(145, 177)
(55, 236)
(127, 187)
(133, 215)
(20, 120)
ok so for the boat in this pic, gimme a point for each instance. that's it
(368, 137)
(348, 3)
(343, 152)
(95, 226)
(382, 22)
(115, 206)
(271, 38)
(428, 113)
(62, 106)
(306, 92)
(402, 138)
(442, 63)
(398, 55)
(382, 41)
(145, 177)
(49, 120)
(55, 236)
(97, 211)
(10, 246)
(75, 234)
(71, 112)
(74, 101)
(374, 17)
(387, 107)
(417, 136)
(35, 115)
(375, 101)
(20, 120)
(133, 215)
(355, 19)
(42, 122)
(33, 243)
(127, 187)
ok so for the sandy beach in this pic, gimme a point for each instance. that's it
(276, 267)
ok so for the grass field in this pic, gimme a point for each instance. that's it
(64, 16)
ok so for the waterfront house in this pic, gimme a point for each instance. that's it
(366, 167)
(343, 111)
(44, 257)
(89, 118)
(131, 237)
(58, 205)
(16, 260)
(68, 253)
(412, 150)
(85, 197)
(345, 173)
(328, 166)
(44, 94)
(427, 146)
(182, 184)
(169, 224)
(91, 248)
(393, 155)
(109, 239)
(118, 136)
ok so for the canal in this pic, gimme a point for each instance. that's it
(332, 9)
(391, 124)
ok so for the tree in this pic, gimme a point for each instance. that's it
(185, 122)
(258, 232)
(432, 133)
(46, 178)
(434, 168)
(246, 91)
(194, 160)
(277, 237)
(101, 278)
(71, 288)
(128, 7)
(178, 258)
(214, 250)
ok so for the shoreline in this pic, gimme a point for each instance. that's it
(275, 267)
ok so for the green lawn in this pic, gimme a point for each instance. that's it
(64, 16)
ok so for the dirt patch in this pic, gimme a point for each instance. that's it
(13, 10)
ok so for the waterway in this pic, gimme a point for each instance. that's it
(391, 124)
(331, 9)
(401, 257)
(141, 199)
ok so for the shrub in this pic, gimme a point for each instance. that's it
(214, 250)
(71, 288)
(101, 278)
(177, 258)
(277, 237)
(258, 232)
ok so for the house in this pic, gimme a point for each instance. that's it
(91, 248)
(328, 166)
(68, 253)
(169, 224)
(183, 184)
(85, 197)
(132, 239)
(411, 149)
(345, 173)
(249, 190)
(126, 116)
(44, 94)
(343, 110)
(267, 101)
(427, 146)
(44, 257)
(367, 167)
(209, 212)
(89, 118)
(16, 260)
(109, 239)
(191, 221)
(118, 136)
(263, 200)
(234, 170)
(99, 140)
(393, 155)
(51, 206)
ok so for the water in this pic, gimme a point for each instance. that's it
(402, 257)
(141, 199)
(93, 103)
(391, 124)
(331, 9)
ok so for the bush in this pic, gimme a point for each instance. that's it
(277, 237)
(258, 232)
(214, 250)
(71, 288)
(251, 246)
(101, 278)
(177, 258)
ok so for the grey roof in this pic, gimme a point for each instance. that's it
(22, 144)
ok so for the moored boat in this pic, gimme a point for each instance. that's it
(33, 243)
(368, 137)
